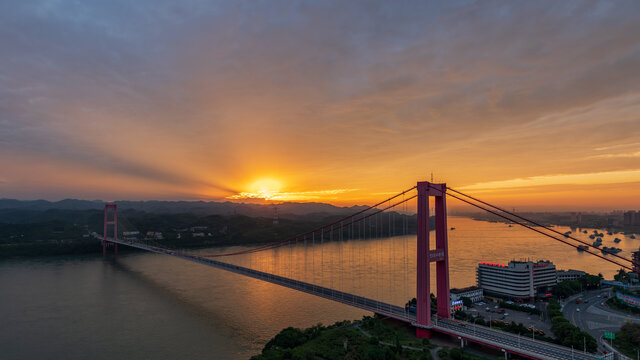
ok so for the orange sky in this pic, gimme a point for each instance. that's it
(534, 105)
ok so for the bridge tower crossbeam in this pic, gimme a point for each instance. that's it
(439, 255)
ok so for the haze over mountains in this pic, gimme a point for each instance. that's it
(15, 210)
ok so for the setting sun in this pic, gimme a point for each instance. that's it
(266, 185)
(264, 189)
(270, 189)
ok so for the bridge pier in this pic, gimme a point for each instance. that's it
(439, 255)
(423, 333)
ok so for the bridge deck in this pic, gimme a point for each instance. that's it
(498, 339)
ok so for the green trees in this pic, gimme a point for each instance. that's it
(590, 281)
(337, 342)
(287, 339)
(570, 287)
(621, 276)
(567, 333)
(566, 288)
(628, 339)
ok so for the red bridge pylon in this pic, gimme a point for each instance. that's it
(439, 255)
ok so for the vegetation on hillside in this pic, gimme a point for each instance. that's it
(340, 341)
(55, 232)
(370, 338)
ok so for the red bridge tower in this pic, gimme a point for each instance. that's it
(439, 255)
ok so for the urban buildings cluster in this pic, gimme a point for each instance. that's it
(631, 218)
(516, 280)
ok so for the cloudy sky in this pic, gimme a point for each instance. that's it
(531, 104)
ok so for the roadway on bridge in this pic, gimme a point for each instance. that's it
(501, 340)
(512, 342)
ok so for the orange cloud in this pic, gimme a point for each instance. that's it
(324, 195)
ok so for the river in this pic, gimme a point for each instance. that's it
(143, 305)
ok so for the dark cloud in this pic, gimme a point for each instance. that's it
(195, 90)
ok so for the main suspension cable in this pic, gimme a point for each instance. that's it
(536, 230)
(303, 236)
(537, 224)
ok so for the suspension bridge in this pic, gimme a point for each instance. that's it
(306, 275)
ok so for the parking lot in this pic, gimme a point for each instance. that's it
(509, 315)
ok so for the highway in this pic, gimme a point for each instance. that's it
(512, 342)
(594, 317)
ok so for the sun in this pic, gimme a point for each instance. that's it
(271, 189)
(266, 186)
(264, 189)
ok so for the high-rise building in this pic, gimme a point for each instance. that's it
(518, 279)
(631, 218)
(636, 260)
(628, 218)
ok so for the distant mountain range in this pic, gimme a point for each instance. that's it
(285, 210)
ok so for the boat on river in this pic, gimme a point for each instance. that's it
(610, 250)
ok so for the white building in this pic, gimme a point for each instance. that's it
(474, 293)
(569, 275)
(518, 279)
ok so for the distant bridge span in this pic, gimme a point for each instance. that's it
(424, 322)
(510, 343)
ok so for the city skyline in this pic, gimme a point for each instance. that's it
(533, 106)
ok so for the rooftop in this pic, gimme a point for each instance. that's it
(464, 290)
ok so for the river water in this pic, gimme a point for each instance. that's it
(153, 306)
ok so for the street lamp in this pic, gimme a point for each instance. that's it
(505, 353)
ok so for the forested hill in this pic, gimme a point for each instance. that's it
(14, 210)
(29, 232)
